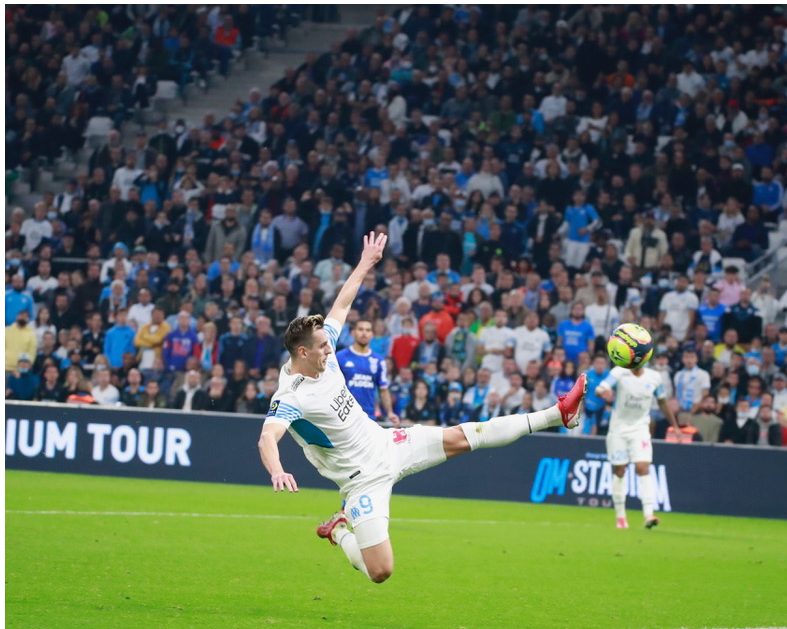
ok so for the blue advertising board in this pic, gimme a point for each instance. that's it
(543, 468)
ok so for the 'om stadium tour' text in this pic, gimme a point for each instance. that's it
(589, 480)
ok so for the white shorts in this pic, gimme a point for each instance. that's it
(575, 253)
(633, 447)
(410, 450)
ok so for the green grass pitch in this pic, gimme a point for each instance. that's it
(131, 559)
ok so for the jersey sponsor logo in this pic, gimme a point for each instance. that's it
(361, 381)
(349, 363)
(296, 383)
(343, 403)
(588, 481)
(400, 436)
(273, 408)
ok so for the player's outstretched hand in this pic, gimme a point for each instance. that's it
(373, 247)
(394, 419)
(284, 481)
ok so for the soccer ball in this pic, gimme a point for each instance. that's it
(630, 346)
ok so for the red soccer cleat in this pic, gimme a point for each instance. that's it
(570, 402)
(326, 528)
(622, 523)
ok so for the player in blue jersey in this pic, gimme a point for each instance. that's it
(365, 460)
(711, 312)
(365, 371)
(576, 334)
(579, 220)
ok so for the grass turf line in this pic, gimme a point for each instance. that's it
(460, 563)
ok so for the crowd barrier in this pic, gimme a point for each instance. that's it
(544, 468)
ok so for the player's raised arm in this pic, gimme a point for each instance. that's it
(373, 247)
(269, 451)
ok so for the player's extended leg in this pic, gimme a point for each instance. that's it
(379, 560)
(367, 545)
(501, 431)
(619, 495)
(376, 562)
(646, 493)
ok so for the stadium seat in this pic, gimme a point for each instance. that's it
(166, 91)
(775, 239)
(445, 136)
(98, 128)
(661, 142)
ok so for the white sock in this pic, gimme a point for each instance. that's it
(646, 495)
(619, 495)
(501, 431)
(349, 545)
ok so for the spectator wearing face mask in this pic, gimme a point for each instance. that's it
(20, 339)
(22, 383)
(740, 427)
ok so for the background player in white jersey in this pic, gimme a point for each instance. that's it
(628, 439)
(362, 458)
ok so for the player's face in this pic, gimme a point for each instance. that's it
(317, 355)
(362, 333)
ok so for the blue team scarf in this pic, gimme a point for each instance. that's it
(262, 248)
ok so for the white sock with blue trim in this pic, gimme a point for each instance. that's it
(349, 545)
(501, 431)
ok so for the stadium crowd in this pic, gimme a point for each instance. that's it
(542, 174)
(67, 64)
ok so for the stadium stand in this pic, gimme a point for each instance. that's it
(542, 174)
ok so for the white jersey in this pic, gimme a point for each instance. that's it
(327, 422)
(604, 318)
(633, 398)
(495, 338)
(690, 385)
(677, 307)
(529, 345)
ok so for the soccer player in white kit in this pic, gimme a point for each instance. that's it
(362, 458)
(628, 438)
